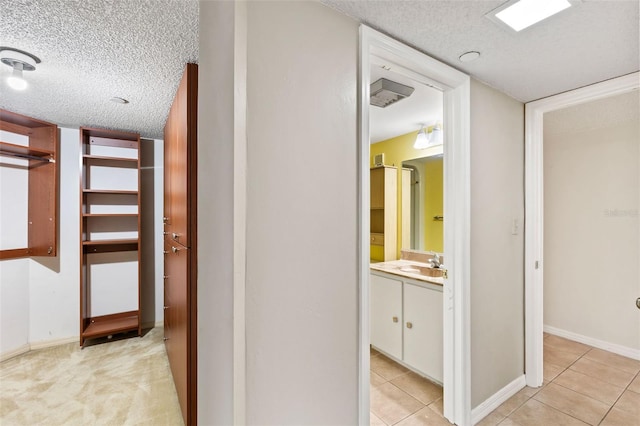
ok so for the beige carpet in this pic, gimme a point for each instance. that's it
(122, 382)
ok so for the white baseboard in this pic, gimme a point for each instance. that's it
(494, 401)
(14, 352)
(55, 342)
(596, 343)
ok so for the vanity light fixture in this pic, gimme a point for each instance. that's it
(426, 139)
(20, 61)
(422, 140)
(521, 14)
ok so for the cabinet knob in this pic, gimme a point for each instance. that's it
(409, 325)
(395, 319)
(175, 249)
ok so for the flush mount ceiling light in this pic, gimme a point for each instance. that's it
(20, 61)
(521, 14)
(469, 56)
(119, 100)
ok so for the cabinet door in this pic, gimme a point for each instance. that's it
(386, 315)
(423, 330)
(176, 261)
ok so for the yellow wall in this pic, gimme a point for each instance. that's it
(399, 149)
(433, 205)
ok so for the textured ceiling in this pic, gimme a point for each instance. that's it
(592, 41)
(93, 50)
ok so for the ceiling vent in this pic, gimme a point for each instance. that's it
(386, 92)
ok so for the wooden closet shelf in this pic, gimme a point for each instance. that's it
(26, 152)
(109, 214)
(110, 242)
(110, 324)
(109, 246)
(109, 191)
(133, 161)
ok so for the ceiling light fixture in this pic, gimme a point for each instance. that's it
(20, 61)
(521, 14)
(119, 100)
(426, 139)
(422, 140)
(469, 56)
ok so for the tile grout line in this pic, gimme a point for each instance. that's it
(542, 387)
(618, 399)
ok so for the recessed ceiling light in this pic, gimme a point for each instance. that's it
(119, 100)
(520, 14)
(469, 56)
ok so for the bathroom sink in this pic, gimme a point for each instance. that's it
(422, 270)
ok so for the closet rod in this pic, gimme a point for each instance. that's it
(27, 156)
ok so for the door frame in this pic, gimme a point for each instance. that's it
(534, 208)
(455, 86)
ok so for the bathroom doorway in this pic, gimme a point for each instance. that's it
(454, 87)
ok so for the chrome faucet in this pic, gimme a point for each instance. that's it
(435, 260)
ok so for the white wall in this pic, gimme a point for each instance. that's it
(591, 231)
(152, 206)
(216, 87)
(39, 297)
(301, 329)
(301, 284)
(14, 274)
(497, 277)
(14, 306)
(54, 290)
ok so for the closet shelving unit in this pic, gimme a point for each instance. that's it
(109, 233)
(40, 152)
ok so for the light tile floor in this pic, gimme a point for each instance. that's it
(401, 397)
(582, 386)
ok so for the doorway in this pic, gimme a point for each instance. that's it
(534, 196)
(455, 87)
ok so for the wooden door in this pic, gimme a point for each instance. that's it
(180, 242)
(176, 261)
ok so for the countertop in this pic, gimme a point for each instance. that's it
(408, 269)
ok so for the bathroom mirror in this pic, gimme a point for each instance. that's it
(425, 203)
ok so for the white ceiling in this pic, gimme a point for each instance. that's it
(92, 50)
(592, 41)
(424, 106)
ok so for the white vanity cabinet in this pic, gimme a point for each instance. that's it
(386, 315)
(422, 310)
(406, 322)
